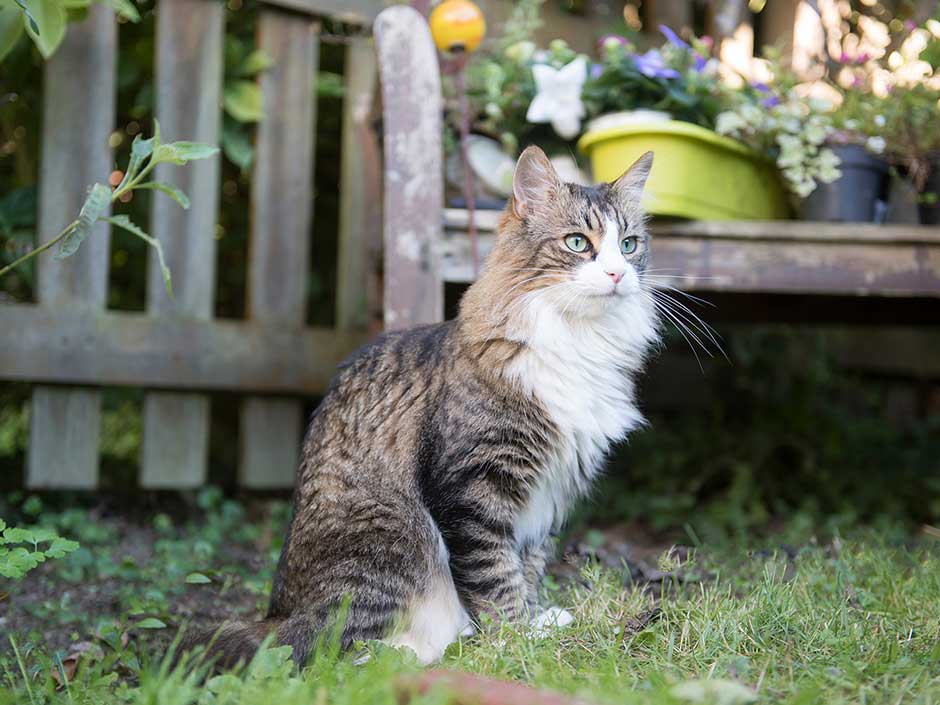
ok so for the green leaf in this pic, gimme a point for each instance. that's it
(17, 562)
(125, 8)
(45, 24)
(150, 623)
(242, 100)
(169, 189)
(197, 579)
(256, 62)
(122, 221)
(28, 13)
(3, 525)
(60, 546)
(930, 54)
(15, 534)
(182, 152)
(236, 145)
(41, 534)
(330, 85)
(11, 28)
(97, 203)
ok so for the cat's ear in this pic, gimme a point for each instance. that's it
(533, 182)
(629, 187)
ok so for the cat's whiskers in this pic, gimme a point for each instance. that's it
(688, 315)
(682, 328)
(662, 285)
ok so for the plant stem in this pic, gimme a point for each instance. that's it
(19, 661)
(41, 248)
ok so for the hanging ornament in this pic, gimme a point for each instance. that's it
(457, 26)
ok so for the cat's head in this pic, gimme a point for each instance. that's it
(582, 247)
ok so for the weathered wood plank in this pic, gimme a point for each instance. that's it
(360, 12)
(78, 80)
(188, 89)
(271, 433)
(767, 256)
(279, 253)
(87, 347)
(413, 176)
(360, 215)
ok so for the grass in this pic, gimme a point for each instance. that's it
(850, 619)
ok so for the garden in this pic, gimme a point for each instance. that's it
(206, 206)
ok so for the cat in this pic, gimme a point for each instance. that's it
(443, 457)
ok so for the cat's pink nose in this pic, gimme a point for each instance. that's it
(615, 276)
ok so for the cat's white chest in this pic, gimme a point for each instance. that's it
(582, 374)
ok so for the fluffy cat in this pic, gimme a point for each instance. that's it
(442, 457)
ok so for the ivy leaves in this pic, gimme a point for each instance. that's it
(20, 549)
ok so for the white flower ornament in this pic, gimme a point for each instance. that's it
(558, 97)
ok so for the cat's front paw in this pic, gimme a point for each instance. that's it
(551, 618)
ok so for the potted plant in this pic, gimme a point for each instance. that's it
(791, 129)
(858, 122)
(697, 173)
(912, 133)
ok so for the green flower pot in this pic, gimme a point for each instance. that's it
(696, 173)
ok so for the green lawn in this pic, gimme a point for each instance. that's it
(784, 617)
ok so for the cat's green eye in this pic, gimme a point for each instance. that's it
(576, 242)
(628, 245)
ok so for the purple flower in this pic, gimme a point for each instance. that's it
(761, 87)
(862, 58)
(770, 102)
(673, 38)
(596, 70)
(910, 25)
(699, 62)
(651, 65)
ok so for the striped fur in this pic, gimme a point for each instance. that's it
(443, 457)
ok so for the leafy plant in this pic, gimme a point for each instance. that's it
(912, 131)
(679, 78)
(145, 155)
(790, 129)
(45, 21)
(241, 99)
(20, 549)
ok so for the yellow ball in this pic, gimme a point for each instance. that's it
(457, 26)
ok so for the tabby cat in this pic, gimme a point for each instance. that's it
(442, 457)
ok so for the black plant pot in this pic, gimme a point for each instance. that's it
(855, 197)
(929, 210)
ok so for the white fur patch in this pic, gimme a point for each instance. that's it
(580, 351)
(436, 617)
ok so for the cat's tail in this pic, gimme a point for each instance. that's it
(233, 643)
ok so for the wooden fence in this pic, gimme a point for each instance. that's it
(70, 345)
